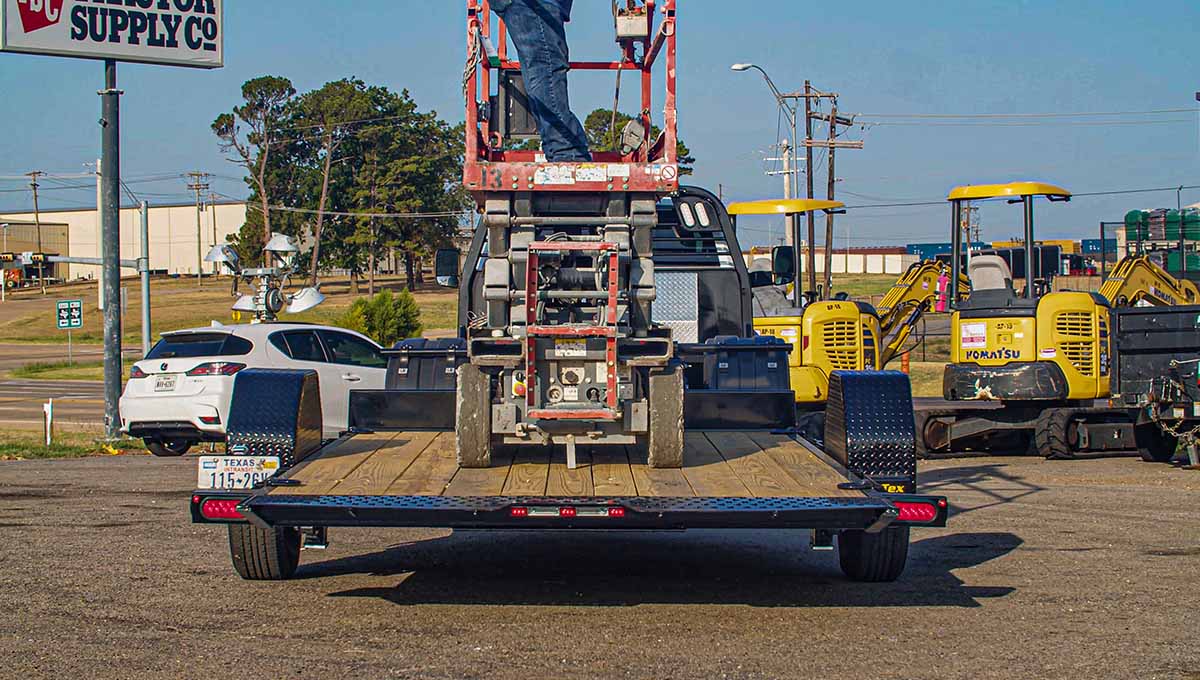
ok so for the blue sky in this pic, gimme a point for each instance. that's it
(969, 57)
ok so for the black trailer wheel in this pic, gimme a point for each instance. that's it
(264, 554)
(167, 448)
(873, 557)
(1050, 434)
(1154, 445)
(473, 417)
(664, 441)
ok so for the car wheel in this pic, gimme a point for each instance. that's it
(168, 448)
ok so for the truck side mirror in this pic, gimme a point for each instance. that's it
(445, 267)
(783, 265)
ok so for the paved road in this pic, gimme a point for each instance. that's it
(1063, 570)
(77, 404)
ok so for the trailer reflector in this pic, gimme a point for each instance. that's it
(567, 512)
(915, 512)
(616, 512)
(220, 508)
(518, 512)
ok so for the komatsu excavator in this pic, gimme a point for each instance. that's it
(1045, 358)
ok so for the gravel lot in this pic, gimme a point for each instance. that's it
(1069, 570)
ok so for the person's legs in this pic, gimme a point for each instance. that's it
(537, 29)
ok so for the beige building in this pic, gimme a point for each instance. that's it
(173, 238)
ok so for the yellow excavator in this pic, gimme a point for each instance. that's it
(838, 334)
(1042, 356)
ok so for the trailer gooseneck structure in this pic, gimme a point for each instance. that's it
(605, 375)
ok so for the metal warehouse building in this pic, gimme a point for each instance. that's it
(173, 238)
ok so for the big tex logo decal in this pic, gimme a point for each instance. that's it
(38, 14)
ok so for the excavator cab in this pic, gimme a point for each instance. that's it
(1010, 343)
(825, 335)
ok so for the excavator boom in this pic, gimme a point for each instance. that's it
(908, 299)
(1138, 280)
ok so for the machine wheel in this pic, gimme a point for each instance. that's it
(664, 441)
(873, 557)
(920, 420)
(473, 417)
(1154, 445)
(264, 554)
(1050, 434)
(167, 448)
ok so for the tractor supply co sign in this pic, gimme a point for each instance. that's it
(177, 32)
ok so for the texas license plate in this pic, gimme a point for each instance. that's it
(234, 472)
(165, 383)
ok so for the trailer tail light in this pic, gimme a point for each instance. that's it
(915, 512)
(135, 373)
(567, 512)
(616, 513)
(219, 508)
(216, 368)
(518, 512)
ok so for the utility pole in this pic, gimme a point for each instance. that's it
(37, 222)
(808, 173)
(198, 184)
(832, 143)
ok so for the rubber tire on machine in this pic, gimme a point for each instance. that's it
(920, 420)
(664, 441)
(473, 417)
(1050, 434)
(1154, 445)
(264, 554)
(168, 448)
(873, 558)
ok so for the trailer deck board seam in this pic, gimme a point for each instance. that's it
(800, 463)
(564, 481)
(706, 471)
(612, 475)
(387, 464)
(431, 472)
(753, 466)
(483, 481)
(530, 472)
(658, 481)
(325, 469)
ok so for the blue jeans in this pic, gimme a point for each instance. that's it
(537, 28)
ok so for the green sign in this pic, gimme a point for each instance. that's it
(70, 314)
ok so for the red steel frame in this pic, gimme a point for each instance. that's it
(489, 168)
(607, 330)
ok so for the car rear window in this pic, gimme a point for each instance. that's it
(200, 345)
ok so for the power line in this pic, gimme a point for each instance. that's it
(1082, 114)
(1172, 121)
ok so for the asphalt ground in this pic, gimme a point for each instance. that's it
(1076, 569)
(78, 404)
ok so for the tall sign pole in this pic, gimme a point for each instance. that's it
(110, 188)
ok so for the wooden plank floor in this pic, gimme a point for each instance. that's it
(715, 464)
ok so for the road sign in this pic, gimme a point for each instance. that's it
(70, 314)
(181, 33)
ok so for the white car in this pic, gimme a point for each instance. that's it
(179, 394)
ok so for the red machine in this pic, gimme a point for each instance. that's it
(651, 166)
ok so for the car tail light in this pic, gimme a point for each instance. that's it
(915, 512)
(216, 368)
(135, 373)
(220, 508)
(210, 420)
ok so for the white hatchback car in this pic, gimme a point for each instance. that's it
(179, 394)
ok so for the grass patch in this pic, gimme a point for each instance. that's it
(926, 377)
(15, 445)
(62, 370)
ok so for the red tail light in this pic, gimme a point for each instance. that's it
(135, 373)
(518, 512)
(210, 420)
(216, 368)
(915, 512)
(616, 512)
(804, 344)
(220, 508)
(567, 512)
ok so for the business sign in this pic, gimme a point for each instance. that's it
(70, 314)
(177, 32)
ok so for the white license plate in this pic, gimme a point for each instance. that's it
(165, 383)
(234, 472)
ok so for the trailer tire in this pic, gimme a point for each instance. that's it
(664, 440)
(473, 417)
(264, 554)
(1154, 445)
(873, 558)
(1050, 434)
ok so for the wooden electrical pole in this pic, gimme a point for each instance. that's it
(198, 184)
(37, 225)
(808, 173)
(833, 145)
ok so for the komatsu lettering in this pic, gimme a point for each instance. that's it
(986, 354)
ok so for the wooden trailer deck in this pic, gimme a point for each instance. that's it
(716, 465)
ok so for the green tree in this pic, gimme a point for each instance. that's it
(264, 103)
(384, 317)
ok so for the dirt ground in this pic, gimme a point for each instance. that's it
(1048, 569)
